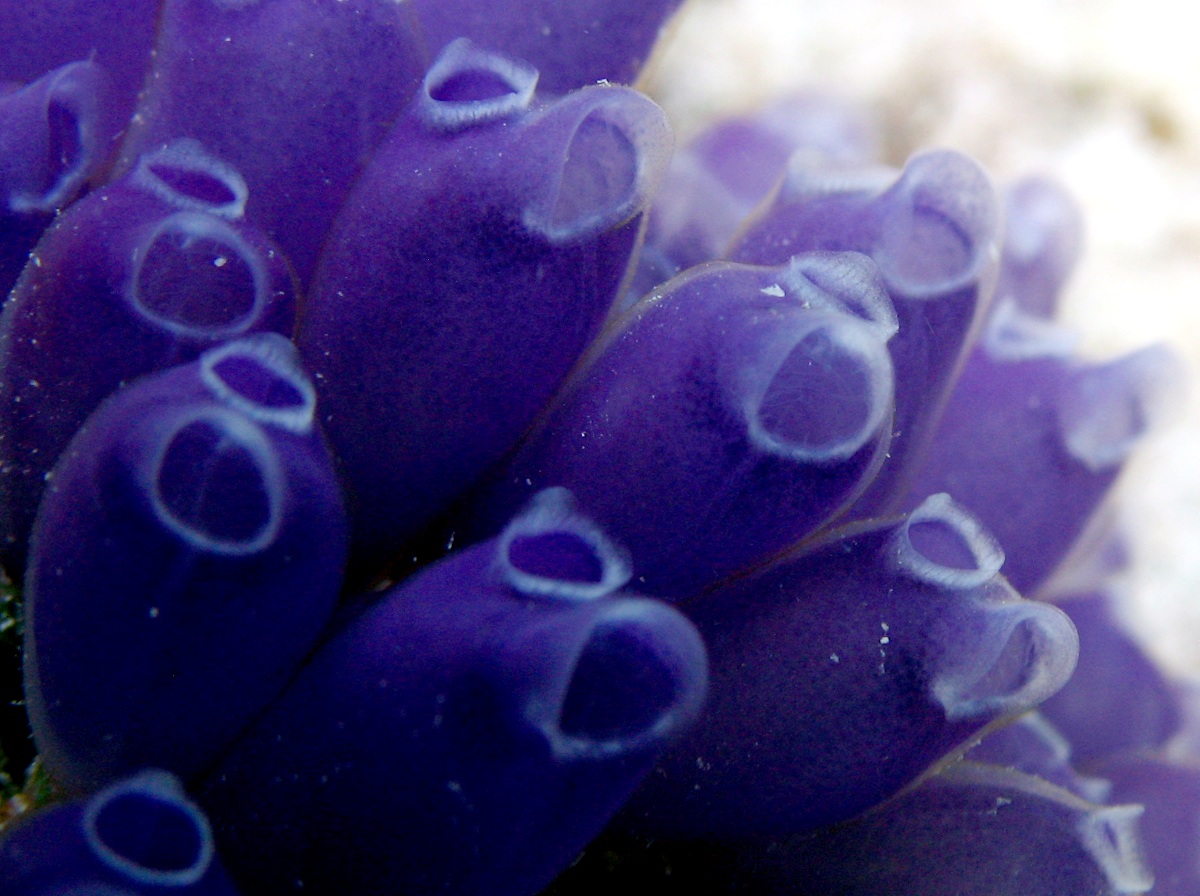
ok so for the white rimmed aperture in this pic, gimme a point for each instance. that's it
(844, 281)
(813, 387)
(1012, 334)
(937, 532)
(76, 141)
(1104, 410)
(553, 551)
(468, 86)
(184, 174)
(1110, 835)
(1010, 656)
(939, 225)
(637, 675)
(613, 147)
(216, 481)
(261, 376)
(146, 830)
(195, 276)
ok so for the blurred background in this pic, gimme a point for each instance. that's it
(1103, 95)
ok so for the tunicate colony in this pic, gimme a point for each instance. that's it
(417, 470)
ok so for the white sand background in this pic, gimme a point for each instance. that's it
(1104, 95)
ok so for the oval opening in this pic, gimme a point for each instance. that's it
(66, 155)
(147, 832)
(939, 223)
(195, 184)
(621, 687)
(258, 384)
(217, 487)
(551, 550)
(819, 398)
(261, 376)
(184, 175)
(563, 556)
(197, 277)
(599, 175)
(468, 86)
(942, 544)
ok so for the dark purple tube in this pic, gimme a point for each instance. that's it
(1032, 745)
(715, 181)
(1169, 788)
(572, 44)
(36, 38)
(186, 558)
(974, 830)
(934, 231)
(840, 675)
(1118, 701)
(740, 409)
(143, 274)
(141, 836)
(295, 94)
(55, 134)
(1043, 239)
(473, 262)
(470, 731)
(1032, 440)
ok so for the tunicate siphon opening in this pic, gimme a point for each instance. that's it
(818, 398)
(468, 86)
(939, 225)
(147, 831)
(1004, 657)
(1104, 410)
(556, 555)
(942, 544)
(65, 152)
(1110, 835)
(217, 485)
(817, 388)
(599, 172)
(620, 688)
(195, 276)
(551, 550)
(606, 151)
(72, 137)
(261, 376)
(849, 282)
(185, 175)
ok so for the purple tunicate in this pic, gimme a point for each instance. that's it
(1169, 788)
(934, 231)
(143, 274)
(141, 836)
(715, 181)
(36, 38)
(475, 259)
(295, 94)
(870, 656)
(1033, 440)
(973, 830)
(572, 44)
(54, 136)
(1033, 746)
(470, 730)
(1115, 681)
(1043, 239)
(186, 558)
(740, 409)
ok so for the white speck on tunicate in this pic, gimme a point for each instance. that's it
(154, 612)
(220, 261)
(773, 290)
